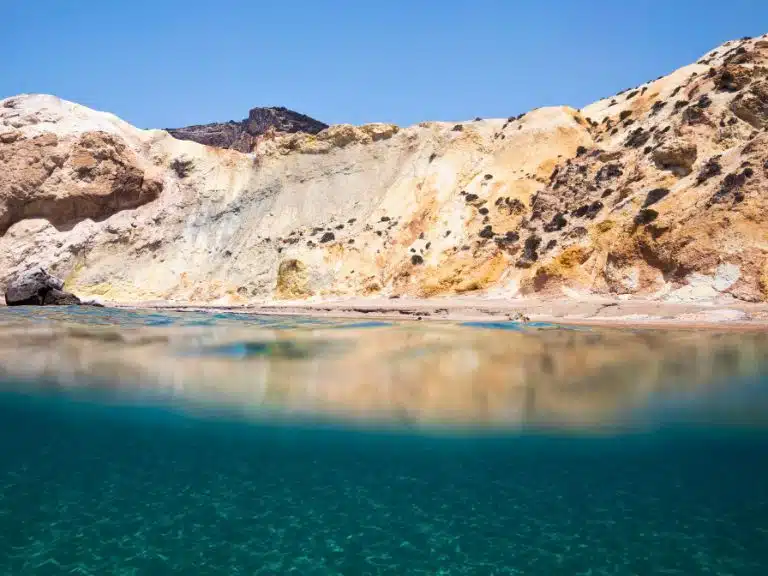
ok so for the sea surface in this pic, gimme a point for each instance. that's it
(138, 442)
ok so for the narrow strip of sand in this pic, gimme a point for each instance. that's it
(593, 311)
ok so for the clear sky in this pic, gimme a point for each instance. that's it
(168, 63)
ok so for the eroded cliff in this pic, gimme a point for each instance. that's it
(658, 192)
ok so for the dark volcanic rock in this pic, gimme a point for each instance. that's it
(242, 135)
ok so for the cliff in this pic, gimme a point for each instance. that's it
(244, 135)
(657, 192)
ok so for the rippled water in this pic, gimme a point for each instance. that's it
(143, 442)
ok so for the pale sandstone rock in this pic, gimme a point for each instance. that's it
(380, 131)
(752, 106)
(545, 203)
(676, 155)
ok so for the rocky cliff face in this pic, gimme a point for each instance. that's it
(660, 191)
(244, 135)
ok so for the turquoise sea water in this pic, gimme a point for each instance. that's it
(137, 442)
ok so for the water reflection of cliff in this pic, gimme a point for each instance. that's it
(427, 374)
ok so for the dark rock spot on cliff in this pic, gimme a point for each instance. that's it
(731, 187)
(483, 210)
(608, 171)
(738, 56)
(624, 115)
(530, 252)
(589, 211)
(471, 197)
(730, 79)
(638, 137)
(182, 167)
(558, 222)
(654, 196)
(694, 115)
(657, 106)
(457, 128)
(486, 232)
(646, 216)
(487, 176)
(580, 151)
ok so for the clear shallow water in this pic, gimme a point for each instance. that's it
(191, 443)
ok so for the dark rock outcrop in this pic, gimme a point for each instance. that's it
(243, 135)
(36, 287)
(60, 298)
(32, 287)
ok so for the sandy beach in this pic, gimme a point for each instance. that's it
(588, 311)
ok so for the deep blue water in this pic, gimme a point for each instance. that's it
(94, 484)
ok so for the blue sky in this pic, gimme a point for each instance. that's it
(167, 63)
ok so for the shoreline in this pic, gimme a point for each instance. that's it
(587, 312)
